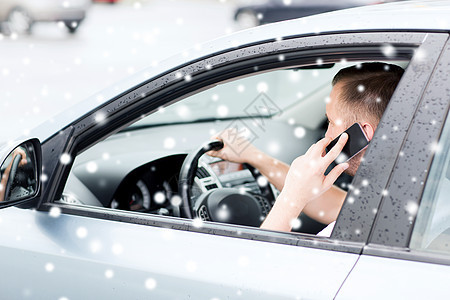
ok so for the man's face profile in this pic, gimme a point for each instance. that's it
(338, 122)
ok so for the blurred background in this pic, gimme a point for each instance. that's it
(55, 53)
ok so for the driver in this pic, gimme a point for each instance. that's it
(360, 94)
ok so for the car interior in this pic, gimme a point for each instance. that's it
(282, 112)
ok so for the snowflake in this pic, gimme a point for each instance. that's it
(150, 283)
(274, 148)
(109, 273)
(299, 132)
(197, 222)
(92, 167)
(169, 143)
(81, 232)
(388, 51)
(176, 200)
(262, 181)
(295, 223)
(95, 246)
(65, 158)
(49, 267)
(222, 111)
(159, 197)
(411, 207)
(55, 212)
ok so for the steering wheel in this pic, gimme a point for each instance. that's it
(12, 174)
(229, 205)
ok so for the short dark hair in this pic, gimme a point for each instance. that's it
(367, 88)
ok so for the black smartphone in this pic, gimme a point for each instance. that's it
(357, 141)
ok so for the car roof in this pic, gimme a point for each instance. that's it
(397, 16)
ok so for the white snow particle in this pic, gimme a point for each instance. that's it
(176, 200)
(365, 182)
(274, 148)
(197, 222)
(262, 181)
(223, 214)
(296, 223)
(241, 88)
(159, 197)
(169, 143)
(435, 147)
(150, 284)
(65, 158)
(55, 212)
(82, 232)
(262, 87)
(95, 246)
(411, 207)
(183, 111)
(299, 132)
(361, 88)
(91, 167)
(49, 267)
(222, 111)
(388, 50)
(341, 158)
(109, 273)
(384, 192)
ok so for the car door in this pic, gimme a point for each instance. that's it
(409, 245)
(66, 250)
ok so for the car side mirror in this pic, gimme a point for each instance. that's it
(20, 173)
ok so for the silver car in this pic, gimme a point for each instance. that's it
(94, 207)
(18, 16)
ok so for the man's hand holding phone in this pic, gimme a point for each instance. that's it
(306, 181)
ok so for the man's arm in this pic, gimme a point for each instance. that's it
(305, 183)
(324, 208)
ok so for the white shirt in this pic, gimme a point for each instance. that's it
(327, 230)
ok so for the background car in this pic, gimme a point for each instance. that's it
(106, 1)
(19, 15)
(103, 204)
(269, 11)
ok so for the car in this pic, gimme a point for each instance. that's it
(107, 1)
(95, 203)
(269, 11)
(19, 16)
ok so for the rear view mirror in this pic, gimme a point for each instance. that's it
(20, 173)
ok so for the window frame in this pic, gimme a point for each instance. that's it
(395, 244)
(169, 88)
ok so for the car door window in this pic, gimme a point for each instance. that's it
(137, 169)
(432, 229)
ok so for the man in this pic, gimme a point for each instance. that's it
(360, 94)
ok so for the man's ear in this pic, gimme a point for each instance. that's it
(369, 130)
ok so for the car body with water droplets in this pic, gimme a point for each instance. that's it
(97, 197)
